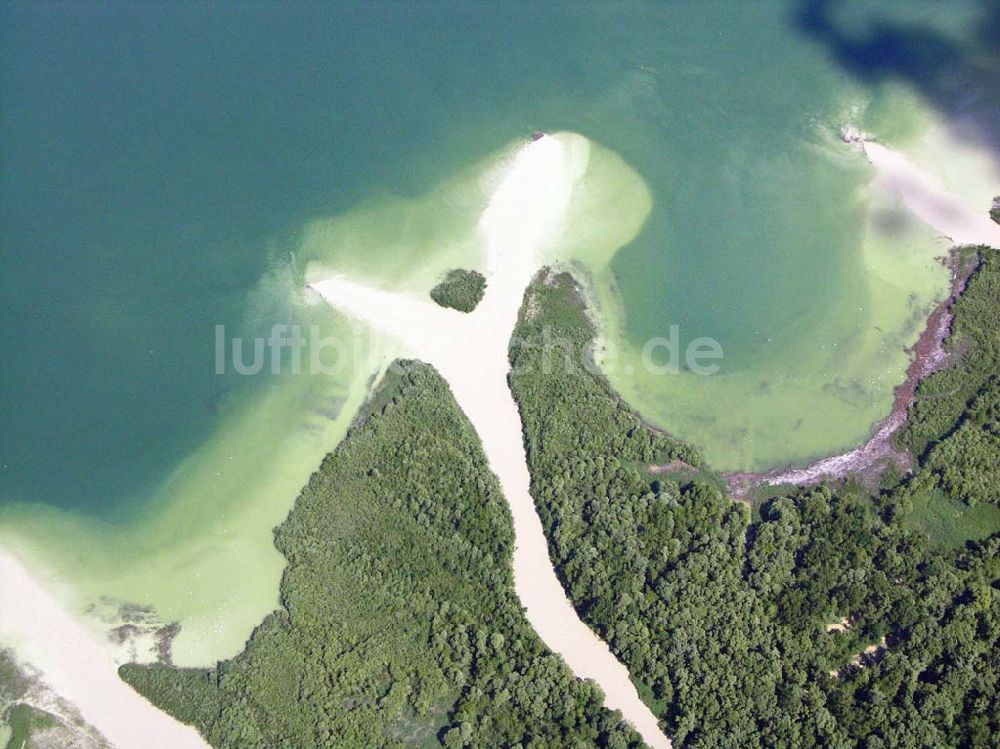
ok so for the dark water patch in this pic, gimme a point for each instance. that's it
(959, 77)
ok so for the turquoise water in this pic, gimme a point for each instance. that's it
(169, 168)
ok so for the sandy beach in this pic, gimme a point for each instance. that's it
(79, 667)
(525, 215)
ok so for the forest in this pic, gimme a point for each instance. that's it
(821, 617)
(954, 427)
(825, 622)
(399, 625)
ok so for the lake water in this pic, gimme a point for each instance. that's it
(169, 169)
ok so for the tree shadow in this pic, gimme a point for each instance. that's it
(961, 80)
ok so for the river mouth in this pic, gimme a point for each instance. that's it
(202, 520)
(523, 218)
(738, 212)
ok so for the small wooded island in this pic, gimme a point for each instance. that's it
(460, 289)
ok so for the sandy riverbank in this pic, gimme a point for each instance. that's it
(79, 667)
(525, 216)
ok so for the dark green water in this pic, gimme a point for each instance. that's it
(158, 160)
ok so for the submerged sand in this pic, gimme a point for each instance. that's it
(524, 218)
(932, 203)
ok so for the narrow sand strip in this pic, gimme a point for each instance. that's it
(79, 667)
(928, 200)
(525, 215)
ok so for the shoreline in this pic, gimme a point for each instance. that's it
(932, 204)
(78, 667)
(83, 669)
(878, 452)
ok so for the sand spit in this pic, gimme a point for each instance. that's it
(928, 200)
(79, 667)
(934, 205)
(525, 215)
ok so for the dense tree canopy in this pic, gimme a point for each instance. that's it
(460, 289)
(399, 624)
(824, 623)
(974, 345)
(824, 620)
(955, 423)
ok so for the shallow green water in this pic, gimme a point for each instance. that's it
(167, 170)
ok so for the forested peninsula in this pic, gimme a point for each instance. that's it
(834, 616)
(831, 616)
(399, 626)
